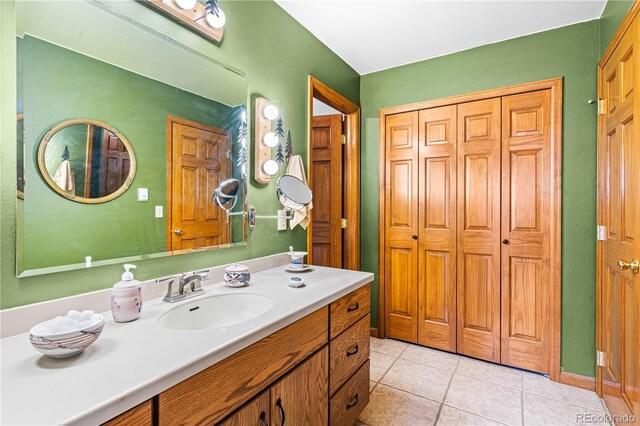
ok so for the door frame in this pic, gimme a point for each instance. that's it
(601, 185)
(350, 171)
(555, 305)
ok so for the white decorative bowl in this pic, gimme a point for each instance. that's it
(68, 343)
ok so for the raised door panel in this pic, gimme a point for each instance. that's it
(619, 210)
(526, 206)
(401, 227)
(478, 229)
(326, 183)
(302, 396)
(437, 228)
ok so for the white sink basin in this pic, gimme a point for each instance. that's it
(216, 311)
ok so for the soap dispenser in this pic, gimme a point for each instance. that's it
(126, 297)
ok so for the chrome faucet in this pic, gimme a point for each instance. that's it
(189, 285)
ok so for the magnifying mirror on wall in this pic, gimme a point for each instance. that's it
(292, 192)
(226, 195)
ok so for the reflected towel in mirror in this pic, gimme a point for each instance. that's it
(300, 213)
(64, 177)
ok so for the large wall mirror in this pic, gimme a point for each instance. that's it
(124, 135)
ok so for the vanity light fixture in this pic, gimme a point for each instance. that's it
(270, 139)
(215, 16)
(207, 19)
(186, 4)
(270, 167)
(265, 113)
(270, 111)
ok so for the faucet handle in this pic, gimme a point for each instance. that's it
(167, 278)
(202, 273)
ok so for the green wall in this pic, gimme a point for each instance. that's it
(610, 20)
(262, 40)
(570, 52)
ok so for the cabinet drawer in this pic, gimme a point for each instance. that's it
(349, 309)
(214, 393)
(347, 404)
(348, 351)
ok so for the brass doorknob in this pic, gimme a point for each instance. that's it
(634, 265)
(178, 231)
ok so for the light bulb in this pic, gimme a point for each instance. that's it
(270, 167)
(185, 4)
(270, 139)
(215, 21)
(270, 112)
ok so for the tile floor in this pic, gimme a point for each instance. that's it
(412, 385)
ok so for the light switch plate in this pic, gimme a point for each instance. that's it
(143, 194)
(159, 211)
(282, 220)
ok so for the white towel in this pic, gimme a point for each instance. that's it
(64, 177)
(300, 213)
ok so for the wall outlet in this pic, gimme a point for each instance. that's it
(159, 211)
(282, 220)
(143, 194)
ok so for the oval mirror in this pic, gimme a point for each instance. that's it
(226, 192)
(291, 189)
(87, 161)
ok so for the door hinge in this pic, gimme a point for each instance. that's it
(602, 232)
(344, 139)
(344, 223)
(601, 106)
(600, 359)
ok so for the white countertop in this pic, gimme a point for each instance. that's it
(135, 361)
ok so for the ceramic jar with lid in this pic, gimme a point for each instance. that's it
(237, 275)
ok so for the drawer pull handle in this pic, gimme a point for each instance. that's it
(354, 307)
(353, 402)
(279, 405)
(354, 350)
(263, 419)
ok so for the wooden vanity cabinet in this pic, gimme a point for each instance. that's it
(313, 372)
(140, 415)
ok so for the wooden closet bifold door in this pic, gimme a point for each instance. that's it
(401, 226)
(526, 251)
(437, 228)
(478, 210)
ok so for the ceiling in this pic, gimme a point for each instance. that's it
(372, 35)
